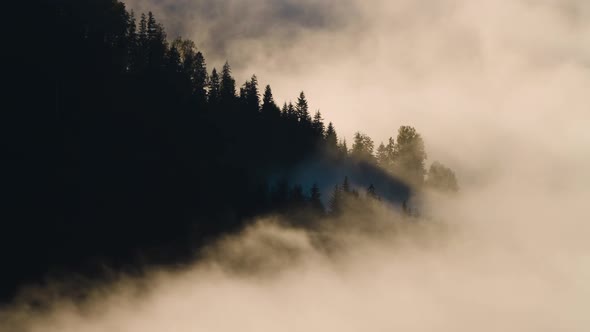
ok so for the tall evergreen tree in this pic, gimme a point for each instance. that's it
(156, 42)
(228, 85)
(269, 109)
(173, 62)
(343, 148)
(214, 94)
(318, 124)
(199, 78)
(132, 44)
(250, 96)
(302, 109)
(331, 138)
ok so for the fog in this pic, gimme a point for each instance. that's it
(499, 90)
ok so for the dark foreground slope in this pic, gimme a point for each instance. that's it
(121, 147)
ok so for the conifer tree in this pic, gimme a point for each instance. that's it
(199, 78)
(132, 44)
(269, 107)
(214, 93)
(302, 109)
(331, 138)
(251, 95)
(173, 61)
(228, 85)
(343, 148)
(318, 124)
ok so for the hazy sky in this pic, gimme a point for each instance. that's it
(500, 91)
(470, 75)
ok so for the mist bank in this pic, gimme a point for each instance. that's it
(471, 76)
(506, 256)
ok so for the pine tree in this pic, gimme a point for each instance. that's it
(228, 85)
(343, 148)
(156, 42)
(291, 113)
(269, 107)
(132, 44)
(173, 61)
(251, 96)
(143, 31)
(302, 109)
(142, 45)
(331, 138)
(199, 78)
(214, 93)
(318, 124)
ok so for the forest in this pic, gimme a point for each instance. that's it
(122, 147)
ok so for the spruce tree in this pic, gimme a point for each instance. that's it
(302, 109)
(228, 85)
(318, 124)
(199, 78)
(214, 94)
(269, 107)
(331, 138)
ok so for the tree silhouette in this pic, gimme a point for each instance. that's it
(302, 109)
(228, 86)
(269, 109)
(318, 124)
(214, 94)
